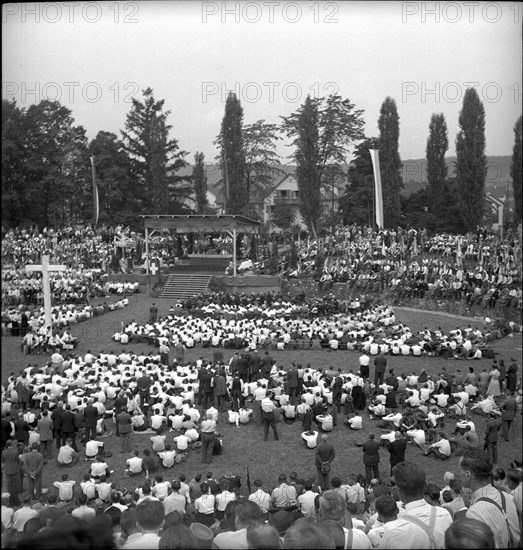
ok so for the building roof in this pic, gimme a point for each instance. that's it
(201, 223)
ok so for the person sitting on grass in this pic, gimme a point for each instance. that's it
(67, 456)
(65, 488)
(354, 421)
(168, 456)
(441, 447)
(158, 441)
(310, 439)
(134, 465)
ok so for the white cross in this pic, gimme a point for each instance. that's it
(154, 268)
(45, 268)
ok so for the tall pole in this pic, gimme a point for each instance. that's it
(226, 194)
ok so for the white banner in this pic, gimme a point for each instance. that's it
(378, 195)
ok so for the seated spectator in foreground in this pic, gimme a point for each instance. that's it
(469, 533)
(325, 422)
(441, 447)
(355, 421)
(387, 510)
(134, 465)
(67, 456)
(410, 482)
(332, 508)
(310, 438)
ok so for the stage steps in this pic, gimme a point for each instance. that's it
(182, 286)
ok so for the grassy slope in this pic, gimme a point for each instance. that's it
(244, 446)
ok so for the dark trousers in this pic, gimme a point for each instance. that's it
(90, 433)
(372, 472)
(236, 400)
(505, 428)
(46, 448)
(207, 447)
(207, 400)
(269, 421)
(491, 448)
(378, 378)
(323, 479)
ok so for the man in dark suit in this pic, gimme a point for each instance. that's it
(91, 418)
(292, 384)
(120, 404)
(397, 450)
(380, 364)
(371, 458)
(254, 366)
(56, 417)
(206, 389)
(337, 387)
(491, 436)
(508, 413)
(220, 390)
(68, 427)
(325, 454)
(12, 472)
(266, 365)
(243, 366)
(6, 429)
(125, 429)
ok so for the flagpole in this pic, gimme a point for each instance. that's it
(96, 203)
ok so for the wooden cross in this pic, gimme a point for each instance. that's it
(45, 268)
(154, 268)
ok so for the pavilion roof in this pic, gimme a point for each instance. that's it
(202, 223)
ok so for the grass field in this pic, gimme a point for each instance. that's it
(244, 446)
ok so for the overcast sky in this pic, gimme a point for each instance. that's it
(98, 55)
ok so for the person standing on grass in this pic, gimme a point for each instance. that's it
(325, 454)
(371, 458)
(12, 470)
(125, 428)
(268, 417)
(207, 429)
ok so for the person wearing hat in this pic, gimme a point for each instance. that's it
(203, 535)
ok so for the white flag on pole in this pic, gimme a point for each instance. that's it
(378, 195)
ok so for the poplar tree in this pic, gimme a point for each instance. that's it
(515, 171)
(471, 161)
(390, 162)
(437, 146)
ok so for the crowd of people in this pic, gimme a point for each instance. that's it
(282, 322)
(71, 411)
(65, 412)
(480, 270)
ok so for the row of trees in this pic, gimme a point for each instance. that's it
(46, 165)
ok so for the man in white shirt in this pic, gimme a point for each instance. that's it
(306, 501)
(134, 465)
(310, 438)
(441, 448)
(405, 532)
(325, 421)
(355, 422)
(168, 457)
(260, 497)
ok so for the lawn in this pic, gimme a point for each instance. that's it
(244, 446)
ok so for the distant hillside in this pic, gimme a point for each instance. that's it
(415, 172)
